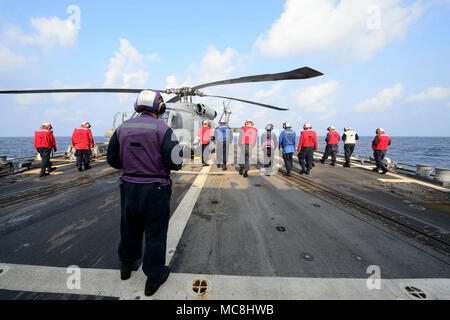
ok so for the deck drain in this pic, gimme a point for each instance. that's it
(214, 202)
(316, 205)
(281, 228)
(257, 185)
(306, 256)
(415, 292)
(359, 258)
(200, 287)
(3, 270)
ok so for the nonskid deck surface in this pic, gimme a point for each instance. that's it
(264, 237)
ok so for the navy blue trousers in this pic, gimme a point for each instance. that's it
(306, 157)
(83, 157)
(45, 156)
(145, 210)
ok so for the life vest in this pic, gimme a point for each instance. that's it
(44, 138)
(205, 134)
(82, 139)
(334, 137)
(383, 142)
(308, 138)
(140, 141)
(350, 137)
(249, 135)
(268, 140)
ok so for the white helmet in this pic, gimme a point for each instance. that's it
(331, 128)
(249, 121)
(307, 126)
(347, 128)
(287, 125)
(46, 125)
(86, 125)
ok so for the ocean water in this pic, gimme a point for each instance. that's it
(14, 147)
(433, 151)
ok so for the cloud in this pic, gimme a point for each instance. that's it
(384, 99)
(10, 61)
(126, 67)
(319, 97)
(49, 33)
(353, 29)
(214, 66)
(430, 94)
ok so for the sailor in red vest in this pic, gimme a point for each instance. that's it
(332, 147)
(306, 147)
(380, 145)
(247, 140)
(205, 134)
(44, 142)
(82, 141)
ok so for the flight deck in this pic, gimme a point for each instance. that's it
(339, 233)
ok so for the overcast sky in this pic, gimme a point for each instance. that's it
(386, 63)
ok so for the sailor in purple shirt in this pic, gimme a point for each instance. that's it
(147, 150)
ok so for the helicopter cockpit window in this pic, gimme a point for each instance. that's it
(177, 121)
(164, 117)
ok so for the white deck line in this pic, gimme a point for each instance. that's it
(107, 283)
(181, 215)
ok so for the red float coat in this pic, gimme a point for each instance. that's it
(44, 138)
(308, 138)
(205, 134)
(82, 139)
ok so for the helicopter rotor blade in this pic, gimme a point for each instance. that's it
(174, 99)
(301, 73)
(247, 101)
(99, 90)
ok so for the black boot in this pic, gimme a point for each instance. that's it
(241, 171)
(87, 167)
(322, 161)
(152, 286)
(224, 168)
(80, 168)
(245, 174)
(384, 170)
(125, 270)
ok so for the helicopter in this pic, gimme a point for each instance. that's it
(182, 115)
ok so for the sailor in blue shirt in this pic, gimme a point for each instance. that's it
(287, 143)
(223, 139)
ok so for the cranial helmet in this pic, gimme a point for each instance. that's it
(347, 128)
(307, 126)
(287, 125)
(206, 123)
(249, 121)
(86, 125)
(151, 101)
(269, 127)
(330, 128)
(46, 125)
(380, 131)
